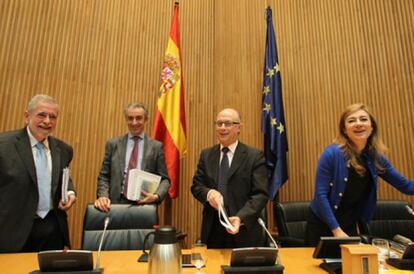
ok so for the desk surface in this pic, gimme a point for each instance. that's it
(295, 260)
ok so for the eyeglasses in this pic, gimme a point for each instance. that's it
(225, 123)
(44, 115)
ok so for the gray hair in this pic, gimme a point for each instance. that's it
(40, 98)
(136, 105)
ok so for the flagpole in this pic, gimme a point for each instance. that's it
(266, 6)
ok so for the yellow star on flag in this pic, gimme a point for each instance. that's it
(281, 128)
(270, 72)
(267, 108)
(276, 68)
(266, 90)
(273, 122)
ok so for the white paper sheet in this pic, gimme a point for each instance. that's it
(224, 220)
(138, 181)
(65, 184)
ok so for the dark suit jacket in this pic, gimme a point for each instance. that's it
(246, 191)
(112, 171)
(18, 187)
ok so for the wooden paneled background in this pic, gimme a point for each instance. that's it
(96, 56)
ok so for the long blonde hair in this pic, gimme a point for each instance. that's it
(375, 145)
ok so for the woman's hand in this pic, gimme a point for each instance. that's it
(338, 232)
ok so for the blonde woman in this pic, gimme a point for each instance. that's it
(347, 177)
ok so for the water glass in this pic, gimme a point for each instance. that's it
(198, 255)
(383, 252)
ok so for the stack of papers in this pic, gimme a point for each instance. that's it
(138, 181)
(65, 184)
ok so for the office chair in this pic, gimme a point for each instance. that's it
(291, 223)
(390, 218)
(127, 228)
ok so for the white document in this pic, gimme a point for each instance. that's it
(224, 220)
(65, 184)
(138, 181)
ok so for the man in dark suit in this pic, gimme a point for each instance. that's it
(32, 211)
(242, 188)
(149, 156)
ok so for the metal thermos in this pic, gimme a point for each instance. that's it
(165, 254)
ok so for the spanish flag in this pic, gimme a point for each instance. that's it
(169, 124)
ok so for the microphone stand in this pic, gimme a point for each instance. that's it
(98, 256)
(268, 233)
(409, 210)
(261, 222)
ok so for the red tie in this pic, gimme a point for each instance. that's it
(132, 162)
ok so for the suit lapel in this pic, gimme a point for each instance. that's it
(56, 168)
(123, 142)
(147, 150)
(215, 162)
(24, 150)
(238, 158)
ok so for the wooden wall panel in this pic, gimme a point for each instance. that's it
(96, 56)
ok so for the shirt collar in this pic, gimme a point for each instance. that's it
(141, 136)
(34, 141)
(232, 147)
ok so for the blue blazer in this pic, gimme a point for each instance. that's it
(331, 178)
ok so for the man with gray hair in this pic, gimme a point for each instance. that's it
(130, 151)
(33, 212)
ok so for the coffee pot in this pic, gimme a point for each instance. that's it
(165, 253)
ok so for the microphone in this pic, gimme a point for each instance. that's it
(409, 209)
(98, 256)
(267, 231)
(402, 240)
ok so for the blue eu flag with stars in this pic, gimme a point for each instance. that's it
(273, 118)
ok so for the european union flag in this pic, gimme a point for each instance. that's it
(273, 118)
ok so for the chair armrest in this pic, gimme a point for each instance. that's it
(286, 241)
(181, 239)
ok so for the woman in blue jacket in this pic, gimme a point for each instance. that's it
(347, 177)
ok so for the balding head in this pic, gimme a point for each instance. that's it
(228, 126)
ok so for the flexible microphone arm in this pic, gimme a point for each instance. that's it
(409, 209)
(98, 256)
(267, 231)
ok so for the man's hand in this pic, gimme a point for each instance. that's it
(214, 198)
(68, 204)
(103, 204)
(235, 221)
(149, 198)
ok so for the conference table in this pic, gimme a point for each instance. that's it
(295, 261)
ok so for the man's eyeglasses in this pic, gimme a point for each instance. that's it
(225, 123)
(44, 115)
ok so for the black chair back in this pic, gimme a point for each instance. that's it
(291, 222)
(126, 230)
(390, 218)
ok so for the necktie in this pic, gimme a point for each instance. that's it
(224, 168)
(44, 181)
(133, 159)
